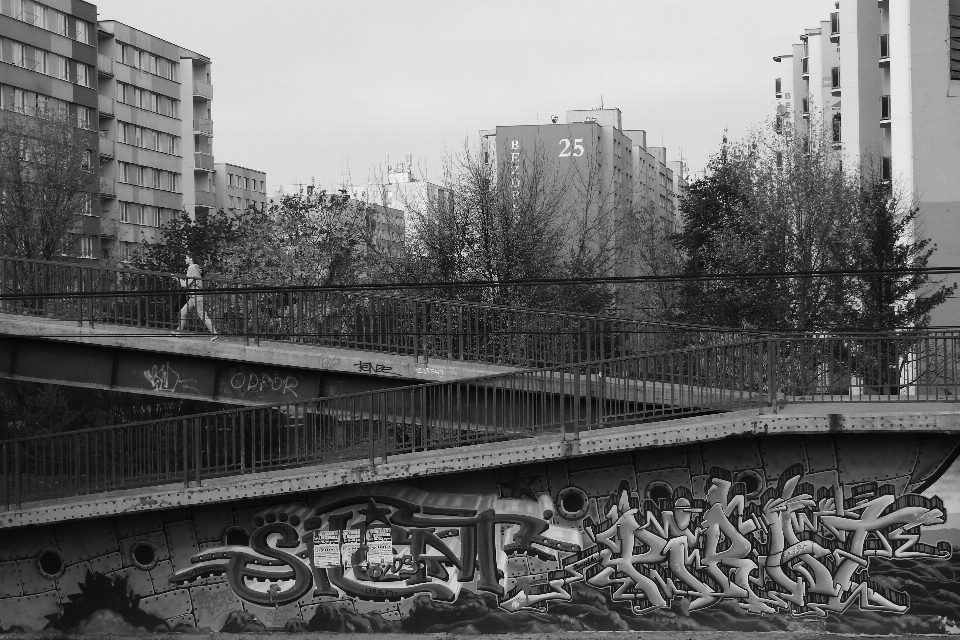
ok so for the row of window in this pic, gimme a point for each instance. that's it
(243, 182)
(148, 100)
(31, 103)
(45, 62)
(148, 177)
(146, 61)
(148, 138)
(48, 18)
(245, 203)
(144, 214)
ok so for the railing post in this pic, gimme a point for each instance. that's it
(772, 345)
(90, 290)
(196, 446)
(256, 319)
(18, 486)
(416, 331)
(384, 421)
(449, 333)
(186, 453)
(6, 479)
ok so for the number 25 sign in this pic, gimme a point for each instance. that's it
(576, 150)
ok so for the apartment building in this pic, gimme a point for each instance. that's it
(156, 146)
(403, 191)
(48, 60)
(238, 188)
(895, 64)
(608, 172)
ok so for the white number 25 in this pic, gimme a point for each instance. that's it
(577, 148)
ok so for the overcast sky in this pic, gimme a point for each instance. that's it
(320, 88)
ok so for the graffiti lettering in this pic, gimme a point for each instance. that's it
(429, 371)
(371, 367)
(329, 362)
(257, 382)
(794, 549)
(164, 378)
(214, 603)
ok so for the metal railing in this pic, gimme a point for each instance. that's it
(104, 65)
(203, 125)
(568, 399)
(363, 320)
(382, 423)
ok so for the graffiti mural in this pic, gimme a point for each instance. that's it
(784, 530)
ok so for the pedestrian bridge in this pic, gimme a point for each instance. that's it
(111, 328)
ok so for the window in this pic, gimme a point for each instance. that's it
(83, 74)
(777, 85)
(835, 23)
(230, 179)
(124, 212)
(86, 247)
(805, 105)
(138, 213)
(886, 168)
(884, 107)
(835, 77)
(885, 44)
(83, 117)
(836, 128)
(83, 32)
(20, 100)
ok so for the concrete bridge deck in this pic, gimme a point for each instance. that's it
(229, 370)
(790, 420)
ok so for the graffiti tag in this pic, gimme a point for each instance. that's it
(429, 371)
(164, 378)
(795, 548)
(371, 367)
(260, 381)
(329, 362)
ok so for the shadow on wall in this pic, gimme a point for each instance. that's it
(106, 605)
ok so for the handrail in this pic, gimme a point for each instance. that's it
(570, 399)
(365, 320)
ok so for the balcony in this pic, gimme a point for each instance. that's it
(104, 65)
(203, 161)
(835, 26)
(805, 67)
(108, 187)
(884, 110)
(835, 81)
(108, 148)
(105, 106)
(202, 90)
(104, 29)
(203, 126)
(885, 48)
(206, 199)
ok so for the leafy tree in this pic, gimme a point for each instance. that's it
(206, 236)
(46, 181)
(783, 201)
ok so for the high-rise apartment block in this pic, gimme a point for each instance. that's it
(608, 172)
(891, 69)
(48, 60)
(150, 100)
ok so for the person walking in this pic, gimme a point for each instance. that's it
(193, 282)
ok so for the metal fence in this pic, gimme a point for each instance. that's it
(569, 399)
(364, 320)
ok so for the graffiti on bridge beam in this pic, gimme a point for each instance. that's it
(373, 367)
(795, 549)
(164, 379)
(263, 381)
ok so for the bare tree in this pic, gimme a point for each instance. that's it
(538, 224)
(46, 177)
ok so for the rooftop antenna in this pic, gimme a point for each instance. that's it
(601, 90)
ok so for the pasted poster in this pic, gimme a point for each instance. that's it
(326, 549)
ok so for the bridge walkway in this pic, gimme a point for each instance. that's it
(940, 419)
